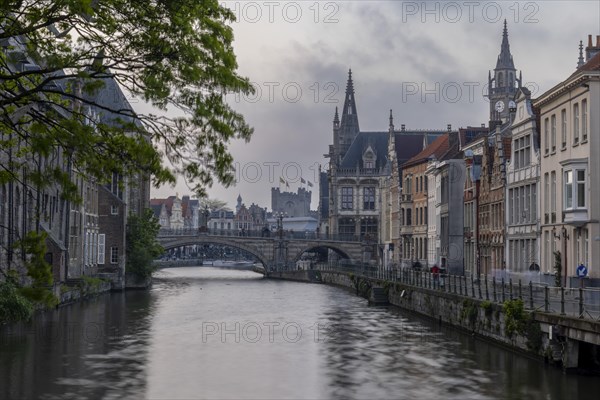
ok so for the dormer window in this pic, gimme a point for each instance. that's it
(369, 159)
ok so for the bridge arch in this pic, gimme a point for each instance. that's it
(172, 244)
(313, 246)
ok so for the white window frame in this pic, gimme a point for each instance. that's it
(575, 170)
(563, 133)
(584, 118)
(575, 124)
(101, 248)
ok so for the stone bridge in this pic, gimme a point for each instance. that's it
(273, 252)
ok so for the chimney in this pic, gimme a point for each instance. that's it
(452, 138)
(402, 127)
(591, 50)
(483, 125)
(449, 127)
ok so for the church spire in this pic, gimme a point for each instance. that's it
(349, 102)
(580, 61)
(505, 60)
(349, 128)
(391, 121)
(336, 118)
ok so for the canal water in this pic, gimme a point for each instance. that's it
(209, 333)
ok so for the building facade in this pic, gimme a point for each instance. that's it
(522, 189)
(570, 165)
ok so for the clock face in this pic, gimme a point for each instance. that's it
(499, 106)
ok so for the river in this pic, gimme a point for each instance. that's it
(202, 332)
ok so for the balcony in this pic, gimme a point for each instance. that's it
(576, 217)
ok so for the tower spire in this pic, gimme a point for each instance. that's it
(580, 61)
(505, 59)
(391, 121)
(349, 128)
(336, 118)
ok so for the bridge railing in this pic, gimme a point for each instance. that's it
(263, 233)
(581, 303)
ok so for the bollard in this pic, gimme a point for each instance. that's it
(494, 289)
(530, 295)
(562, 300)
(546, 290)
(580, 303)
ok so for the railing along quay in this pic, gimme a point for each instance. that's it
(581, 303)
(264, 234)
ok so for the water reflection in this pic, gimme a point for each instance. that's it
(209, 333)
(94, 349)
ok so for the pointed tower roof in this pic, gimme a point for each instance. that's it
(580, 61)
(336, 118)
(505, 60)
(349, 112)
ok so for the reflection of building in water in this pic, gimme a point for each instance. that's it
(293, 204)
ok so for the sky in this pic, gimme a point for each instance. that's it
(428, 61)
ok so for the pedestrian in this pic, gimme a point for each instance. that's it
(435, 271)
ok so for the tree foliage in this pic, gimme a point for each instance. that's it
(175, 55)
(557, 269)
(213, 204)
(142, 246)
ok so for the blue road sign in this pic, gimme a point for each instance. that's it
(582, 271)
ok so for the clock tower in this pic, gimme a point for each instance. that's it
(503, 85)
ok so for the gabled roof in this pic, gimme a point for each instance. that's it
(593, 64)
(114, 106)
(435, 149)
(378, 142)
(410, 143)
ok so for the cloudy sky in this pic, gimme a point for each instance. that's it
(428, 61)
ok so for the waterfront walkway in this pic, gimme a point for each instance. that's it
(582, 303)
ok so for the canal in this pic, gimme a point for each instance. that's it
(202, 332)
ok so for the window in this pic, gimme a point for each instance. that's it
(347, 195)
(584, 129)
(369, 198)
(522, 151)
(553, 132)
(546, 138)
(114, 255)
(580, 188)
(563, 129)
(409, 216)
(114, 210)
(568, 189)
(546, 194)
(347, 226)
(553, 196)
(115, 186)
(369, 164)
(575, 188)
(575, 123)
